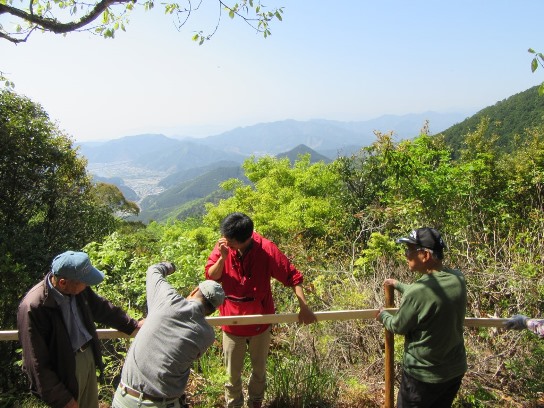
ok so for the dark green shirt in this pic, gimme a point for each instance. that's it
(431, 317)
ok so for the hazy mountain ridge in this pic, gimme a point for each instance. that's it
(293, 154)
(127, 148)
(325, 136)
(277, 137)
(167, 173)
(173, 173)
(155, 152)
(404, 126)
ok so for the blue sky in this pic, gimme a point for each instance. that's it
(349, 60)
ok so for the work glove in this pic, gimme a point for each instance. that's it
(169, 267)
(517, 322)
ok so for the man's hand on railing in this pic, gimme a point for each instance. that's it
(140, 324)
(306, 316)
(380, 310)
(517, 322)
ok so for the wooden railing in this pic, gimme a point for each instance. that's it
(242, 320)
(321, 316)
(362, 314)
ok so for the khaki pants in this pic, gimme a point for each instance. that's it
(234, 351)
(86, 379)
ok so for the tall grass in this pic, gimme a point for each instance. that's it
(298, 382)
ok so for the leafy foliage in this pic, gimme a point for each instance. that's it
(296, 202)
(508, 121)
(537, 61)
(47, 205)
(113, 198)
(337, 221)
(107, 17)
(298, 384)
(125, 257)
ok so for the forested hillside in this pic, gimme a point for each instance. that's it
(337, 221)
(508, 121)
(187, 198)
(187, 192)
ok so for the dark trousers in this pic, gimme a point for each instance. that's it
(418, 394)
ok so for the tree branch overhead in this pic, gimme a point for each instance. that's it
(111, 15)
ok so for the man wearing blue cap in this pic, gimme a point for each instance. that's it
(175, 334)
(431, 317)
(56, 324)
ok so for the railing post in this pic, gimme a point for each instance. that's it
(389, 353)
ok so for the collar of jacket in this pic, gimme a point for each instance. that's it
(48, 298)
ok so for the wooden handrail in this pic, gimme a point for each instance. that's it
(321, 316)
(364, 314)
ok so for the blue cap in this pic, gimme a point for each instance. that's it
(76, 266)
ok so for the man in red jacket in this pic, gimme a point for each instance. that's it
(244, 262)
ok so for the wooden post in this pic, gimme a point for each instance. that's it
(389, 353)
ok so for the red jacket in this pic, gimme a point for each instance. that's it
(246, 282)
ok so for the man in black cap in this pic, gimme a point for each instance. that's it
(431, 317)
(56, 323)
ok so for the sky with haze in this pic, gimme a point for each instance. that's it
(338, 60)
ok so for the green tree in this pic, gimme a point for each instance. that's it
(487, 202)
(106, 17)
(47, 205)
(396, 186)
(113, 198)
(126, 254)
(48, 202)
(287, 202)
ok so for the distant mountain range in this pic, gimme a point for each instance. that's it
(327, 137)
(172, 177)
(156, 152)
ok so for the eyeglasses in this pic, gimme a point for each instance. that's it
(408, 251)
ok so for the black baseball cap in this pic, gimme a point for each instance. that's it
(426, 237)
